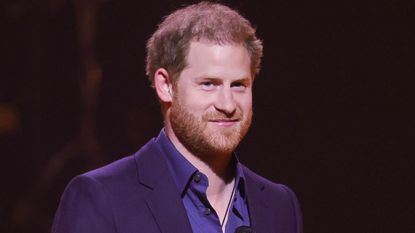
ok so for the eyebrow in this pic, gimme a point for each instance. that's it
(217, 79)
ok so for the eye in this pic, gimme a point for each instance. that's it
(238, 86)
(207, 85)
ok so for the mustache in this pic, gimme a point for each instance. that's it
(219, 116)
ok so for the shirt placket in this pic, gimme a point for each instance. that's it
(198, 188)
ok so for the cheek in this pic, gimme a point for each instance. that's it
(197, 101)
(246, 103)
(199, 106)
(195, 104)
(247, 108)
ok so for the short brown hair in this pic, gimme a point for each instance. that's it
(168, 46)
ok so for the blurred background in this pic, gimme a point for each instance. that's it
(333, 117)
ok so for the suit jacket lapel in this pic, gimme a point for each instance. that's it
(163, 198)
(261, 219)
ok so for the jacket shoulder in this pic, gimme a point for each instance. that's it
(273, 189)
(280, 202)
(265, 183)
(122, 170)
(106, 200)
(276, 194)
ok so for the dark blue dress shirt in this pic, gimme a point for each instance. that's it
(193, 185)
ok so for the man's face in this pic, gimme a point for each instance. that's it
(212, 100)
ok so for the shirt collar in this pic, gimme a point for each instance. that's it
(182, 170)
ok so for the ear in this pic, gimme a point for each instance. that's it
(163, 85)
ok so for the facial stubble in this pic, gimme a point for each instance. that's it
(204, 140)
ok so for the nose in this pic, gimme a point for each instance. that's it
(225, 102)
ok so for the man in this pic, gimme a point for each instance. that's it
(201, 61)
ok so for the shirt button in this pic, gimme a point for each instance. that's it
(207, 211)
(197, 177)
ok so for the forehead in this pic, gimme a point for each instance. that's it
(210, 59)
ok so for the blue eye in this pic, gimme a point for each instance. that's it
(239, 86)
(207, 85)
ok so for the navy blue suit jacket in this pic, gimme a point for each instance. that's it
(138, 194)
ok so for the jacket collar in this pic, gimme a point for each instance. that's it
(163, 197)
(259, 214)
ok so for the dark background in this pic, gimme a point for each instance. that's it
(333, 117)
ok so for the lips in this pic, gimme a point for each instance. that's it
(224, 122)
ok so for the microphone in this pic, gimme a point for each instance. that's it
(244, 229)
